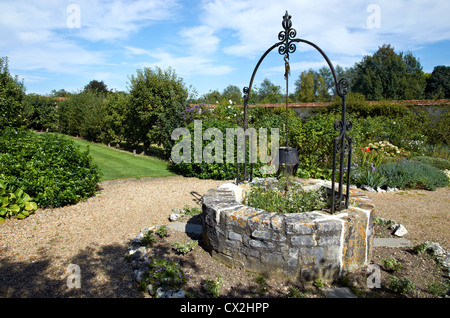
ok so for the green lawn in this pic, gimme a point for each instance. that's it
(117, 164)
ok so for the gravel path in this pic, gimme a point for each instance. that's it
(35, 252)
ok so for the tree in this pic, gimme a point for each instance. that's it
(305, 87)
(96, 87)
(438, 84)
(269, 93)
(156, 104)
(12, 93)
(233, 93)
(388, 75)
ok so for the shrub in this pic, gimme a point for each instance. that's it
(214, 170)
(411, 174)
(440, 163)
(14, 203)
(41, 113)
(48, 167)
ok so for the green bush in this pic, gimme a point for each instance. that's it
(440, 163)
(215, 170)
(12, 93)
(48, 167)
(412, 174)
(41, 113)
(14, 203)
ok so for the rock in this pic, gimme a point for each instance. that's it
(400, 230)
(171, 293)
(368, 188)
(138, 275)
(174, 216)
(380, 190)
(389, 189)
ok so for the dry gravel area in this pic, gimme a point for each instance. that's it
(36, 252)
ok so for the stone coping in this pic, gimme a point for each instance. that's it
(308, 245)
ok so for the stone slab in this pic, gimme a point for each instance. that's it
(391, 242)
(185, 227)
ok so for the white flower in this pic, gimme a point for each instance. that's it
(231, 102)
(229, 106)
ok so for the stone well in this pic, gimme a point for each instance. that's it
(307, 246)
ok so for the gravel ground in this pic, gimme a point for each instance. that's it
(36, 252)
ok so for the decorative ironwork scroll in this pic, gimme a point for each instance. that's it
(342, 147)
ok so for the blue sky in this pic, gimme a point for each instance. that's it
(59, 44)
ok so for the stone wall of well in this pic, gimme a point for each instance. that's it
(311, 245)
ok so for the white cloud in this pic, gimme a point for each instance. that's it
(339, 28)
(186, 66)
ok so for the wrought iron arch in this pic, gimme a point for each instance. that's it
(286, 45)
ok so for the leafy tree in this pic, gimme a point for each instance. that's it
(157, 101)
(388, 75)
(305, 87)
(438, 84)
(41, 112)
(233, 93)
(269, 93)
(60, 93)
(212, 97)
(96, 87)
(12, 92)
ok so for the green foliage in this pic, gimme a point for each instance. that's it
(181, 248)
(411, 174)
(440, 163)
(115, 115)
(402, 286)
(438, 84)
(305, 87)
(313, 139)
(191, 211)
(41, 113)
(83, 114)
(213, 286)
(214, 170)
(162, 231)
(97, 87)
(156, 105)
(165, 273)
(12, 92)
(14, 203)
(48, 167)
(391, 264)
(284, 196)
(420, 248)
(389, 75)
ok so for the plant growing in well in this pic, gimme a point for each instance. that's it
(284, 196)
